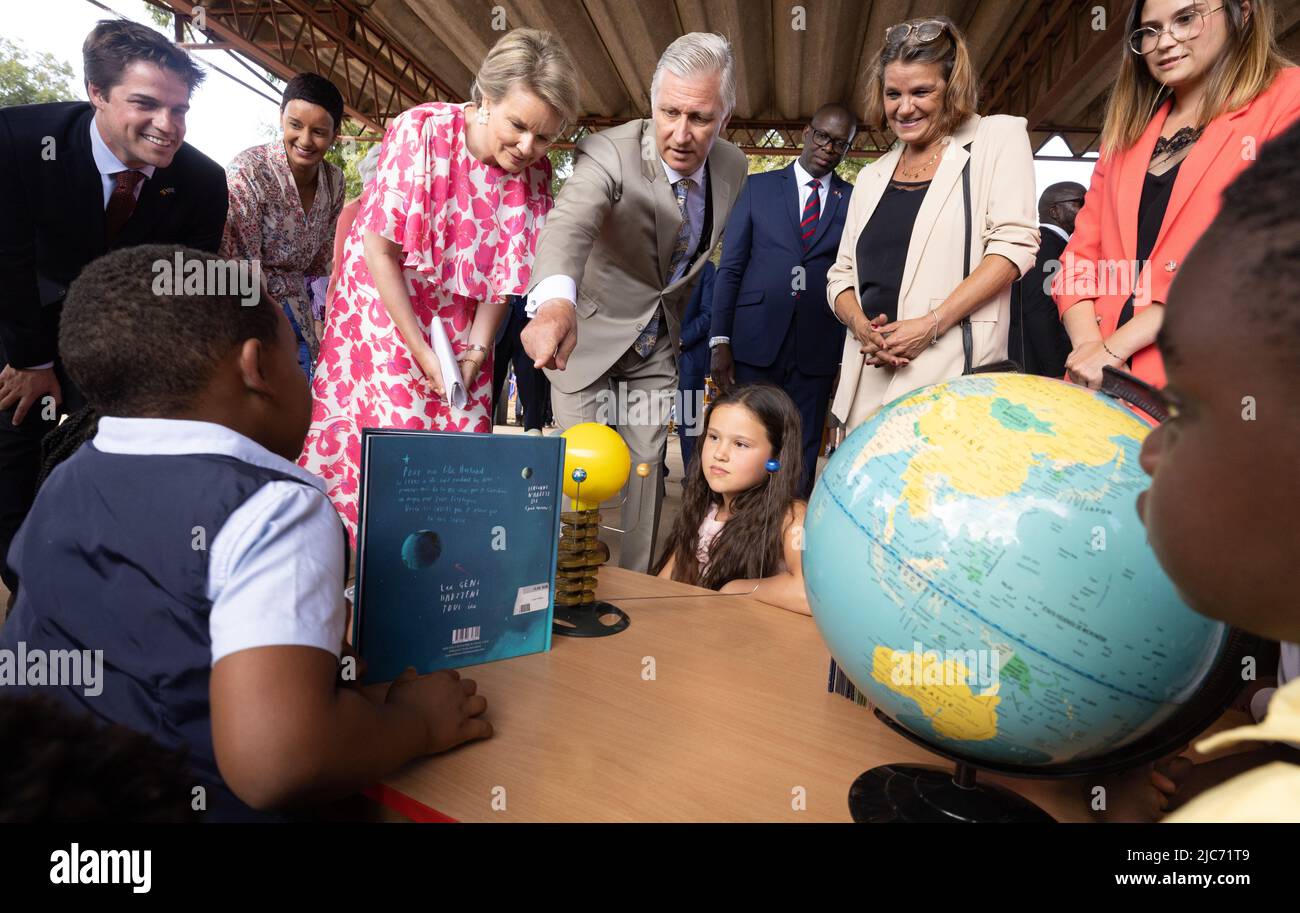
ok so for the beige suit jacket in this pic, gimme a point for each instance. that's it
(612, 230)
(1004, 218)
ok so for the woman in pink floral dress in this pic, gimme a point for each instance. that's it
(446, 232)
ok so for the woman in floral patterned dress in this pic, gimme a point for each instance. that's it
(446, 231)
(285, 200)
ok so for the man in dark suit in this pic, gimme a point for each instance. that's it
(693, 363)
(1037, 339)
(770, 319)
(79, 179)
(531, 385)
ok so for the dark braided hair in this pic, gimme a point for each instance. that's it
(59, 765)
(65, 440)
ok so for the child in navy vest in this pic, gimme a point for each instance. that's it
(189, 573)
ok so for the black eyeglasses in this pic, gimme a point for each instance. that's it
(1186, 26)
(825, 140)
(926, 31)
(1137, 393)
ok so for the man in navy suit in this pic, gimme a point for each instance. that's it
(770, 319)
(1038, 341)
(78, 179)
(693, 362)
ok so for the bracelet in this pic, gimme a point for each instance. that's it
(475, 347)
(1110, 353)
(935, 315)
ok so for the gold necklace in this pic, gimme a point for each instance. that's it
(919, 171)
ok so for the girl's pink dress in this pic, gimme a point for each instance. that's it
(467, 232)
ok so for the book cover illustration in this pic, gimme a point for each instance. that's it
(456, 548)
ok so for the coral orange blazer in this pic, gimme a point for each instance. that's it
(1098, 264)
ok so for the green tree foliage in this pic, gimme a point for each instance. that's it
(28, 78)
(347, 155)
(561, 168)
(159, 15)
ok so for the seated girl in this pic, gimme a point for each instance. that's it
(740, 529)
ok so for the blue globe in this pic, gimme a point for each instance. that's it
(976, 566)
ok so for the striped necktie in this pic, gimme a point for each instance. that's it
(811, 211)
(645, 343)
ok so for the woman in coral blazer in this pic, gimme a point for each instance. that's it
(1219, 89)
(900, 256)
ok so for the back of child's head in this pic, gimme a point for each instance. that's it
(144, 328)
(750, 545)
(58, 765)
(1222, 509)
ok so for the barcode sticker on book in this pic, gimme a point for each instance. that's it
(838, 683)
(465, 635)
(533, 598)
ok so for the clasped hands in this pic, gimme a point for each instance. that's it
(892, 345)
(1084, 365)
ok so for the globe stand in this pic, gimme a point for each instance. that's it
(924, 794)
(581, 553)
(585, 620)
(927, 794)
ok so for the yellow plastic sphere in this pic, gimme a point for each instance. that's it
(602, 453)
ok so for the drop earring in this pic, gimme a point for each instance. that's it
(481, 117)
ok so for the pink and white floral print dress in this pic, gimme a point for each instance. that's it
(467, 231)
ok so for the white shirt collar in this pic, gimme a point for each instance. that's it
(175, 437)
(108, 163)
(1058, 229)
(675, 176)
(803, 177)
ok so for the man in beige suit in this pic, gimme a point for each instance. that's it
(617, 258)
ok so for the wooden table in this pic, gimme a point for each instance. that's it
(735, 724)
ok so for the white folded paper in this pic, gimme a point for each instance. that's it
(452, 382)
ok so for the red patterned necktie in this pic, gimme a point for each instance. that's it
(811, 210)
(121, 203)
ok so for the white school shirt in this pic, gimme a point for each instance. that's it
(275, 568)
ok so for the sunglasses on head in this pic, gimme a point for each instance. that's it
(925, 32)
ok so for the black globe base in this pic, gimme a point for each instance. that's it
(588, 620)
(922, 794)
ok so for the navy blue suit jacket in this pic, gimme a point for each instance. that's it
(755, 297)
(53, 221)
(693, 362)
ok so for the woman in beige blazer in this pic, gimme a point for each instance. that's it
(908, 260)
